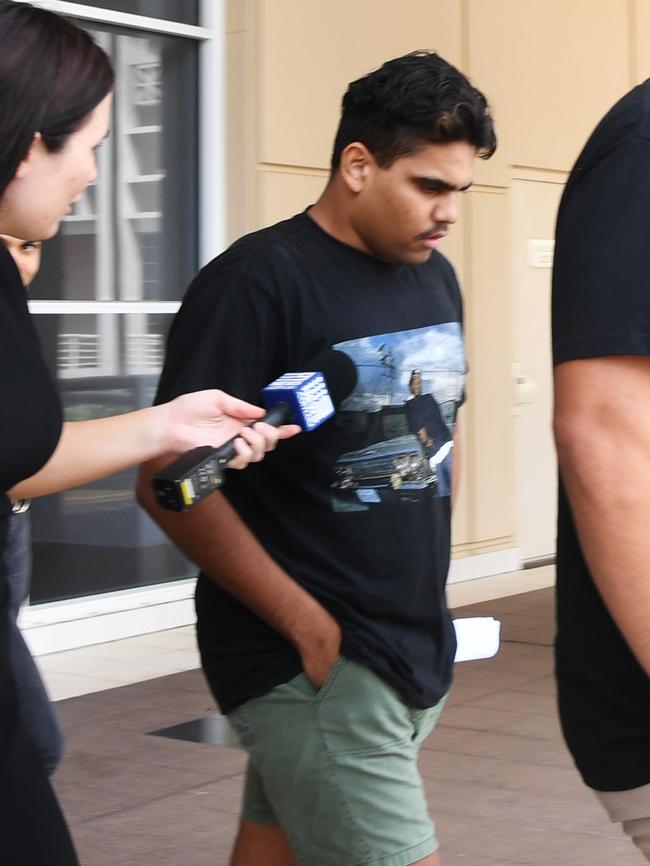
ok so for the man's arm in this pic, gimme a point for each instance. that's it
(213, 535)
(602, 433)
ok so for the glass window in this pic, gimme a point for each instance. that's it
(95, 538)
(130, 243)
(133, 234)
(185, 11)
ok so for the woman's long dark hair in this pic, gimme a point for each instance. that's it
(52, 75)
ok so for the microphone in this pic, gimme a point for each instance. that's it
(307, 399)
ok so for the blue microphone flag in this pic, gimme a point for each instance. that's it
(306, 393)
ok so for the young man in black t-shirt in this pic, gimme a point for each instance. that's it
(601, 345)
(322, 620)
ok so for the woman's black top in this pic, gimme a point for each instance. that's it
(30, 411)
(33, 829)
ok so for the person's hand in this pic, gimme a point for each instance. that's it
(320, 650)
(212, 418)
(253, 442)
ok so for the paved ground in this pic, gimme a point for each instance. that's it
(501, 785)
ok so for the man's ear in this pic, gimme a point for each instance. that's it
(356, 161)
(28, 160)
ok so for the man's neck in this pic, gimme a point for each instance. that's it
(330, 213)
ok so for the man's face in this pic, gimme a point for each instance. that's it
(416, 384)
(402, 212)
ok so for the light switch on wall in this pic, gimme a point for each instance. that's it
(540, 253)
(524, 389)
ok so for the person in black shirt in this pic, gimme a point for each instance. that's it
(427, 423)
(34, 702)
(322, 619)
(601, 346)
(55, 96)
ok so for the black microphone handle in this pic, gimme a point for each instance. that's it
(278, 415)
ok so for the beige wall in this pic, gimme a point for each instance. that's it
(550, 69)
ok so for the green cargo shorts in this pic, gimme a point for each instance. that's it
(337, 769)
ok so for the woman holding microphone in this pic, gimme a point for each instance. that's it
(55, 100)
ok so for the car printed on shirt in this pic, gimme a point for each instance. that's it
(392, 468)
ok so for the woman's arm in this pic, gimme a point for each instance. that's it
(88, 450)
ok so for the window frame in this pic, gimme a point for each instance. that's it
(59, 625)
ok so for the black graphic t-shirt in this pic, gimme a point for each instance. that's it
(356, 511)
(601, 306)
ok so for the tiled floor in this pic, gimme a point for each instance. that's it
(501, 785)
(107, 665)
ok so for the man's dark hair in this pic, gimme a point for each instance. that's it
(52, 75)
(411, 101)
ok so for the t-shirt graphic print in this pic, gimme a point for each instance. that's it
(401, 418)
